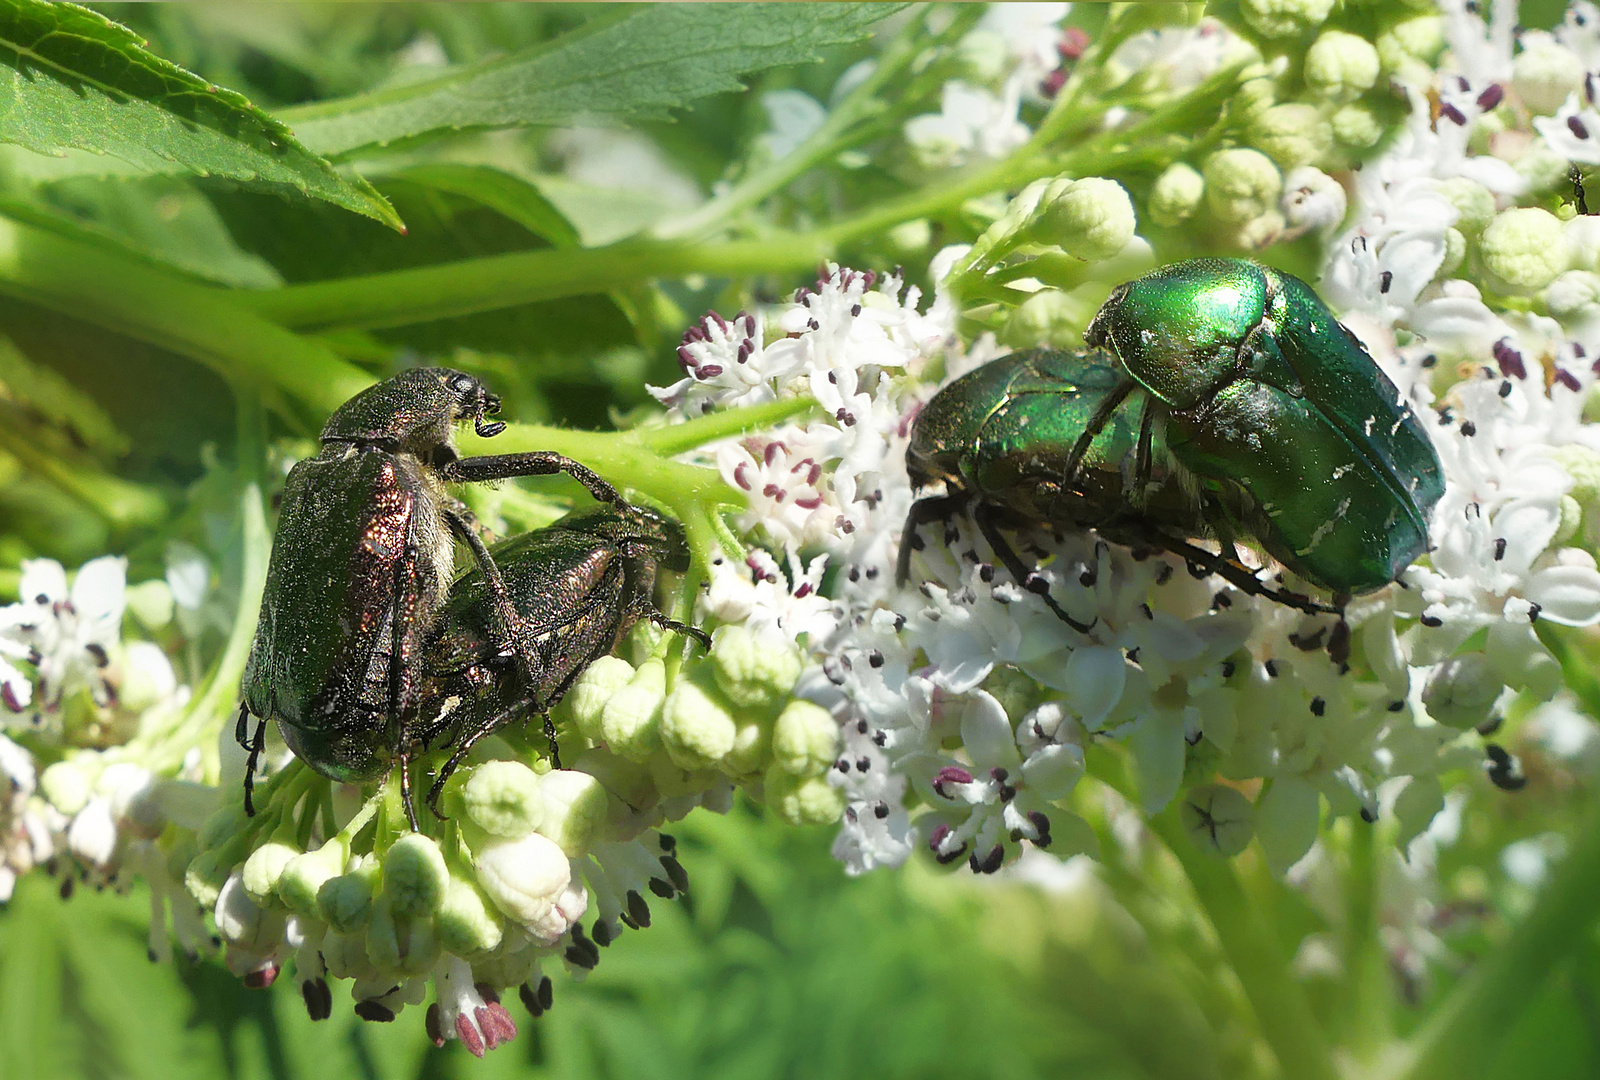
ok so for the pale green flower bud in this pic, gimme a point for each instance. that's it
(1455, 253)
(1583, 241)
(1312, 200)
(910, 237)
(1048, 317)
(304, 876)
(204, 876)
(1176, 195)
(697, 729)
(1293, 134)
(242, 922)
(753, 670)
(575, 807)
(415, 875)
(502, 798)
(1542, 167)
(1241, 185)
(1462, 691)
(66, 786)
(805, 740)
(1583, 465)
(1218, 819)
(345, 901)
(1524, 248)
(1340, 67)
(530, 881)
(630, 724)
(1287, 815)
(1544, 73)
(1473, 201)
(263, 868)
(1408, 49)
(752, 742)
(1573, 295)
(397, 942)
(1571, 522)
(1260, 232)
(1253, 96)
(1355, 126)
(465, 923)
(151, 603)
(593, 689)
(803, 800)
(1285, 18)
(1091, 219)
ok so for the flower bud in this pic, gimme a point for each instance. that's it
(1574, 296)
(1544, 73)
(752, 744)
(803, 800)
(1462, 691)
(204, 877)
(151, 603)
(1048, 317)
(242, 922)
(414, 876)
(304, 875)
(401, 943)
(575, 806)
(1287, 815)
(1473, 202)
(528, 880)
(752, 669)
(1218, 819)
(1543, 168)
(1292, 134)
(466, 923)
(1241, 185)
(630, 724)
(805, 739)
(263, 869)
(593, 689)
(1260, 232)
(697, 728)
(1408, 49)
(66, 786)
(225, 822)
(1356, 127)
(501, 798)
(1340, 67)
(1176, 194)
(1524, 248)
(345, 901)
(1090, 219)
(1284, 18)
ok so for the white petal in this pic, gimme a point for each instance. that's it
(1527, 525)
(986, 733)
(1569, 595)
(43, 581)
(98, 593)
(1052, 773)
(1158, 751)
(1286, 821)
(1094, 680)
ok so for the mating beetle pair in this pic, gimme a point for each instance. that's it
(1220, 398)
(360, 574)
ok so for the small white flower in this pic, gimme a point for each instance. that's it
(466, 1011)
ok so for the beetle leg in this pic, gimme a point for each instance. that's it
(534, 463)
(677, 627)
(1242, 578)
(1096, 424)
(1031, 581)
(511, 626)
(468, 741)
(255, 746)
(923, 511)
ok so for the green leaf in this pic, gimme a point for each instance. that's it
(634, 64)
(77, 80)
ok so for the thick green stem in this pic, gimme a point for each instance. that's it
(1280, 1005)
(1458, 1040)
(404, 297)
(91, 282)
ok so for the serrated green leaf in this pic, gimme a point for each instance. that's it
(634, 64)
(72, 79)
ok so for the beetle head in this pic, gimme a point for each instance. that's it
(415, 411)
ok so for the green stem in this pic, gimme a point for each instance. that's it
(1367, 981)
(1287, 1022)
(120, 503)
(470, 286)
(128, 296)
(676, 438)
(1458, 1040)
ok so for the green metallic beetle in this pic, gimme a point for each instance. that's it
(578, 586)
(1280, 413)
(360, 567)
(1003, 439)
